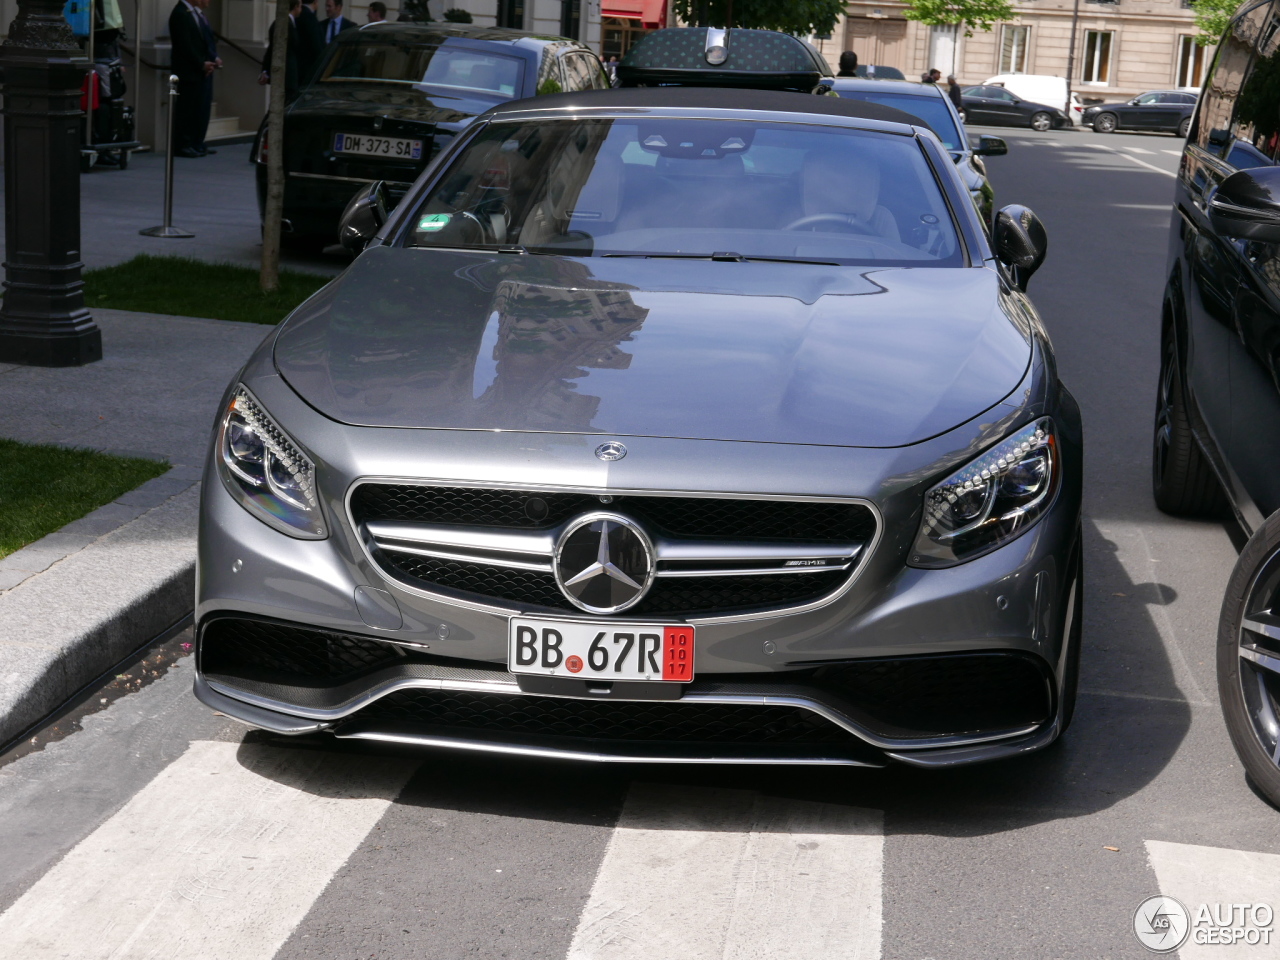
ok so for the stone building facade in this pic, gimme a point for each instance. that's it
(1121, 48)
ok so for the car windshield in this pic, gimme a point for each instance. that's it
(460, 69)
(932, 111)
(692, 188)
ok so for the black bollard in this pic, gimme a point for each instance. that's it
(43, 320)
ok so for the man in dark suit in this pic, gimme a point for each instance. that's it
(310, 41)
(336, 24)
(292, 54)
(193, 59)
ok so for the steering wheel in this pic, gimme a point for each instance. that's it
(477, 222)
(840, 218)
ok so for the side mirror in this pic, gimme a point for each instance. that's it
(365, 214)
(1247, 205)
(991, 147)
(1020, 241)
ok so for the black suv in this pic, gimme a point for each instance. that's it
(1217, 425)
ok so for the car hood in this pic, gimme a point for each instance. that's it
(399, 101)
(767, 352)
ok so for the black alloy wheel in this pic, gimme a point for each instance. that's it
(1249, 658)
(1182, 480)
(1041, 121)
(1184, 127)
(1105, 123)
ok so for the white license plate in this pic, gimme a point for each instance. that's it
(377, 146)
(598, 651)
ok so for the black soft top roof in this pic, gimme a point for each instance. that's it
(710, 98)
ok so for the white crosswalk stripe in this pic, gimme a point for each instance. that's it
(733, 875)
(220, 856)
(1139, 150)
(1217, 877)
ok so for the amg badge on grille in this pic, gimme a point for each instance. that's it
(603, 563)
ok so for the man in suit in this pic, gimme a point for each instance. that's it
(377, 12)
(194, 58)
(310, 41)
(291, 56)
(336, 24)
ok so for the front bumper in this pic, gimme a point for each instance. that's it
(449, 665)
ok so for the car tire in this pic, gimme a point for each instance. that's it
(1182, 480)
(1041, 121)
(1184, 128)
(1105, 123)
(1249, 659)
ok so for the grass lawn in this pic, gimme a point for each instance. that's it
(44, 488)
(193, 288)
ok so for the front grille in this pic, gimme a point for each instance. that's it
(281, 653)
(587, 719)
(951, 694)
(676, 518)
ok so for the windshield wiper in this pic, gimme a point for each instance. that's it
(721, 257)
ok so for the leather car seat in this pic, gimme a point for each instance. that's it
(847, 183)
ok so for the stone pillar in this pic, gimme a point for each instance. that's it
(43, 320)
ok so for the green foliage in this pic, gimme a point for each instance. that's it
(800, 17)
(454, 15)
(44, 488)
(1212, 18)
(970, 14)
(182, 287)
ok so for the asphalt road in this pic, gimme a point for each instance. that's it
(144, 825)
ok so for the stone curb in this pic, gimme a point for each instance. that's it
(95, 599)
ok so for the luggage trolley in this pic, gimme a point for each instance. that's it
(107, 127)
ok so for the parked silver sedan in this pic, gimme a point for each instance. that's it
(658, 424)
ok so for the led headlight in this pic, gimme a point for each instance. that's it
(990, 500)
(265, 470)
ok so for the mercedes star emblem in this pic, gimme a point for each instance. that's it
(603, 563)
(611, 451)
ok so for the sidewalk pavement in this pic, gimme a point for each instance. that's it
(213, 197)
(78, 601)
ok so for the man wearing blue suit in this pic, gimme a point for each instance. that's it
(336, 23)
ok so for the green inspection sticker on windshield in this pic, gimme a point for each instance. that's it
(433, 222)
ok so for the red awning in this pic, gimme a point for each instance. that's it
(652, 13)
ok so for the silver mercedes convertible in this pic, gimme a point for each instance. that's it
(658, 425)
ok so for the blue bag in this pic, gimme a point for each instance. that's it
(78, 13)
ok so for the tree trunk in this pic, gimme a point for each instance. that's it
(269, 277)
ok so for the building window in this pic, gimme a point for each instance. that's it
(944, 42)
(1013, 49)
(1097, 56)
(571, 18)
(1191, 62)
(618, 35)
(511, 14)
